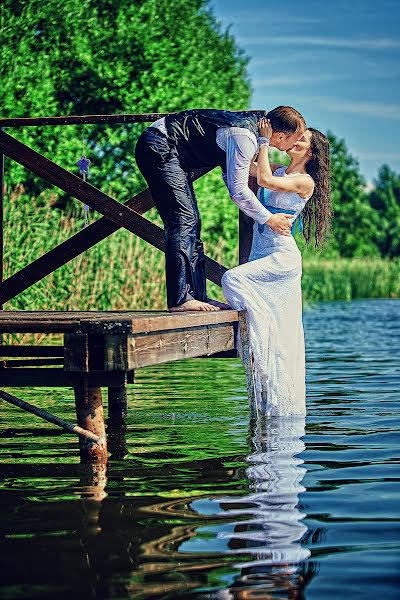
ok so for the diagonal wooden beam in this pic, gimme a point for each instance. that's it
(73, 247)
(120, 214)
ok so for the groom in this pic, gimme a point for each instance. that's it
(170, 149)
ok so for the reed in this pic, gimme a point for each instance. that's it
(349, 279)
(123, 272)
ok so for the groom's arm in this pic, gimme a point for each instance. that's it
(240, 150)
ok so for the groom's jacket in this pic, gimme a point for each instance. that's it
(194, 132)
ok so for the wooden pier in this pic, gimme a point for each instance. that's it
(101, 348)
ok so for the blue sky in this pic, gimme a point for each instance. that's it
(337, 62)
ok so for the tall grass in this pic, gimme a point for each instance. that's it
(348, 279)
(123, 272)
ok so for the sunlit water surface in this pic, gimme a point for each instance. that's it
(198, 503)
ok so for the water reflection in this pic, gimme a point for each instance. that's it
(260, 531)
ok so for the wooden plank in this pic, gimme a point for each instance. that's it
(225, 354)
(15, 350)
(88, 119)
(96, 199)
(73, 247)
(156, 348)
(31, 362)
(109, 322)
(81, 119)
(53, 377)
(28, 326)
(169, 321)
(158, 322)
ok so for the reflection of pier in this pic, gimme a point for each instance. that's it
(258, 536)
(245, 544)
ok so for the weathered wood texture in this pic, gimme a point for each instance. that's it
(90, 415)
(51, 351)
(108, 346)
(108, 322)
(156, 348)
(87, 119)
(30, 362)
(119, 213)
(55, 377)
(127, 352)
(81, 119)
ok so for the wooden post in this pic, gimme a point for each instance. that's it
(247, 362)
(117, 402)
(116, 422)
(89, 412)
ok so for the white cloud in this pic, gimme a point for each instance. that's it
(266, 18)
(308, 40)
(357, 107)
(295, 79)
(381, 156)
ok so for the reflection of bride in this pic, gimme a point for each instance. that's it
(266, 523)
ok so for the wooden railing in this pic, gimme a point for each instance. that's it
(115, 214)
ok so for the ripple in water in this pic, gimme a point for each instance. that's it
(198, 503)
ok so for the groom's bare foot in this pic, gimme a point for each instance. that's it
(193, 305)
(221, 305)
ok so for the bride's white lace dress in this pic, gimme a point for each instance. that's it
(268, 287)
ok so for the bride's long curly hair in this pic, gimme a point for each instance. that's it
(317, 214)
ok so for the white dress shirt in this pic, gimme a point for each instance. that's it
(240, 146)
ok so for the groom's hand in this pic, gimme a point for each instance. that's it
(280, 223)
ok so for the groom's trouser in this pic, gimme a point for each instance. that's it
(174, 197)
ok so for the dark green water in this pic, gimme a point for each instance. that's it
(198, 503)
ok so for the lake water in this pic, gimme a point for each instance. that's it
(196, 502)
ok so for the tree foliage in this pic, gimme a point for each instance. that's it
(385, 202)
(353, 216)
(111, 56)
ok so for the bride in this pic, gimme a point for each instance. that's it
(268, 287)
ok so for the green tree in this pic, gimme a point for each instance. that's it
(110, 56)
(385, 201)
(353, 226)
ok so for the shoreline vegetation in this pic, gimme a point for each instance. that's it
(124, 273)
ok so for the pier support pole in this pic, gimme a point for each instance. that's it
(116, 422)
(90, 415)
(117, 402)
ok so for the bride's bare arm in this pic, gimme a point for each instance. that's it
(253, 168)
(301, 184)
